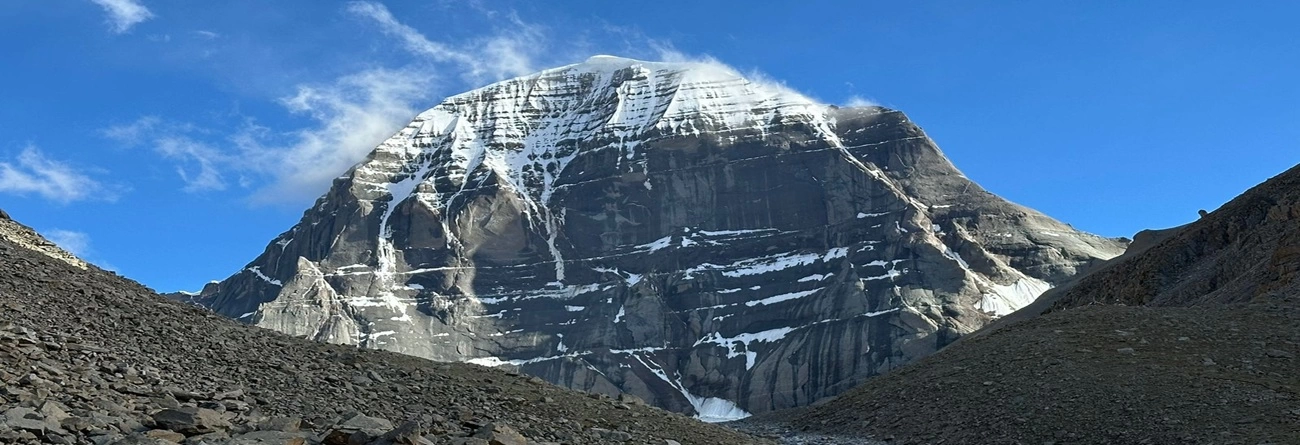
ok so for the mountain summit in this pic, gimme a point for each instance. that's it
(709, 243)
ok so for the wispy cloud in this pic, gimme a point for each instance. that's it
(352, 115)
(667, 53)
(489, 58)
(124, 14)
(33, 173)
(198, 162)
(859, 101)
(349, 115)
(203, 176)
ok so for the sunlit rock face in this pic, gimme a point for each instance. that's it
(710, 244)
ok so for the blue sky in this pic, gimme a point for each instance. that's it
(172, 140)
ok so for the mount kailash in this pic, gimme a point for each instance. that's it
(710, 244)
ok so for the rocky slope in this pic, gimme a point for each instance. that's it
(1207, 355)
(1091, 375)
(89, 357)
(1246, 251)
(674, 231)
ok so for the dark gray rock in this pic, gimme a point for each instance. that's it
(285, 424)
(270, 438)
(191, 421)
(167, 435)
(500, 434)
(612, 436)
(357, 429)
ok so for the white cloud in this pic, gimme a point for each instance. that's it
(134, 133)
(348, 115)
(76, 243)
(33, 173)
(198, 162)
(859, 101)
(490, 58)
(203, 156)
(356, 112)
(123, 14)
(668, 53)
(353, 115)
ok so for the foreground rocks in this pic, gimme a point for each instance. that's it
(87, 357)
(1094, 375)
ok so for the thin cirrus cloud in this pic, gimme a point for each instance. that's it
(859, 101)
(124, 14)
(32, 173)
(197, 161)
(348, 115)
(489, 58)
(355, 112)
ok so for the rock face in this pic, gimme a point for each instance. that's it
(709, 244)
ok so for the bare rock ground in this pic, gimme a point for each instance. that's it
(1098, 374)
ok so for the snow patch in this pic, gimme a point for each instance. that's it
(491, 362)
(707, 409)
(890, 273)
(257, 270)
(735, 344)
(815, 277)
(1005, 299)
(953, 255)
(659, 244)
(782, 297)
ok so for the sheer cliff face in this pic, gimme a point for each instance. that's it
(673, 231)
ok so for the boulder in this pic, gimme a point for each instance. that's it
(191, 421)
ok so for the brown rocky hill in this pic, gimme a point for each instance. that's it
(90, 357)
(1246, 251)
(1190, 337)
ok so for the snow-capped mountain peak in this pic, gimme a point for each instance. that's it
(670, 229)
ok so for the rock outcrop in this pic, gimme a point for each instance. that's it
(673, 231)
(27, 238)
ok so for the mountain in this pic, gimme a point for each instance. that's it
(1189, 337)
(88, 357)
(711, 244)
